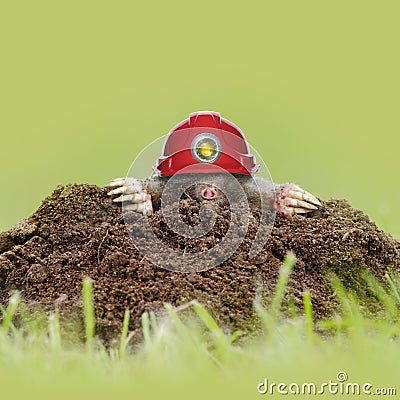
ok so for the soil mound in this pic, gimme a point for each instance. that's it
(78, 231)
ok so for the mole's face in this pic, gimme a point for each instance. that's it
(207, 188)
(205, 191)
(210, 188)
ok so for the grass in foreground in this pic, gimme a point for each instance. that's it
(196, 359)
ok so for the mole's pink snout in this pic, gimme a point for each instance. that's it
(209, 193)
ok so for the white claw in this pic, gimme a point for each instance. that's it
(139, 207)
(136, 187)
(299, 210)
(118, 190)
(145, 207)
(128, 181)
(133, 198)
(132, 194)
(294, 202)
(292, 199)
(301, 194)
(116, 182)
(148, 206)
(312, 199)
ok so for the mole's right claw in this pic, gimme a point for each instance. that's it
(132, 193)
(145, 207)
(116, 182)
(127, 188)
(138, 197)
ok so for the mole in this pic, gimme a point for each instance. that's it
(207, 146)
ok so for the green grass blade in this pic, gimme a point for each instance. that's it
(286, 269)
(221, 341)
(54, 331)
(308, 314)
(270, 317)
(146, 329)
(153, 323)
(88, 311)
(177, 323)
(394, 287)
(388, 300)
(8, 314)
(124, 334)
(207, 319)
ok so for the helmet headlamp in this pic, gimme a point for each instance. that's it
(206, 148)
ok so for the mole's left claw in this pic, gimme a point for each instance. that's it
(292, 199)
(297, 193)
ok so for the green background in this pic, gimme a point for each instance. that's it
(84, 86)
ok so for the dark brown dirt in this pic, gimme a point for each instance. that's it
(78, 231)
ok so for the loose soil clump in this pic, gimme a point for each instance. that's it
(78, 231)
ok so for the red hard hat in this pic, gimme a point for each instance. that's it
(205, 143)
